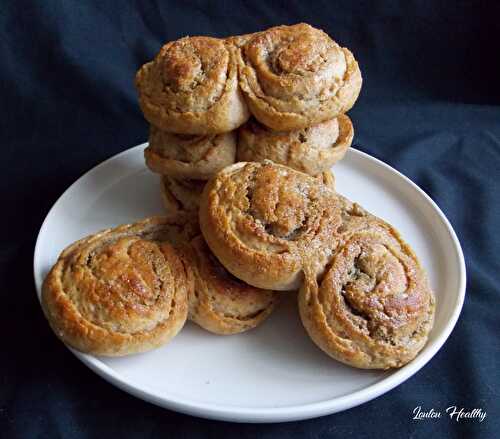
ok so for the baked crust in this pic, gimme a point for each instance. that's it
(239, 40)
(121, 291)
(327, 178)
(180, 194)
(265, 221)
(191, 87)
(188, 156)
(373, 307)
(311, 150)
(296, 76)
(221, 303)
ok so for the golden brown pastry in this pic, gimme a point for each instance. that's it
(120, 291)
(221, 303)
(265, 221)
(373, 307)
(181, 194)
(297, 76)
(239, 40)
(188, 156)
(191, 87)
(311, 150)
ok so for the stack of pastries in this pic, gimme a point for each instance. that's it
(243, 132)
(189, 94)
(278, 95)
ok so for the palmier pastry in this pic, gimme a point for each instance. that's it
(297, 76)
(121, 291)
(181, 194)
(191, 87)
(221, 303)
(373, 307)
(264, 222)
(188, 156)
(311, 150)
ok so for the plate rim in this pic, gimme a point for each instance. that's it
(232, 413)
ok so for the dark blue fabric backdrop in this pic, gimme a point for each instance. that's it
(430, 107)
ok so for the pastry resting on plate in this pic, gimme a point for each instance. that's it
(373, 307)
(296, 76)
(311, 150)
(221, 303)
(181, 194)
(121, 291)
(130, 289)
(264, 221)
(188, 156)
(191, 87)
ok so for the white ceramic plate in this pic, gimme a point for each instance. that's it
(273, 373)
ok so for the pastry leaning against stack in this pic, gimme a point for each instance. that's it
(243, 133)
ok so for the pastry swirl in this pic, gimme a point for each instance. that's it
(120, 291)
(191, 87)
(373, 307)
(188, 156)
(181, 194)
(265, 221)
(311, 150)
(221, 303)
(297, 76)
